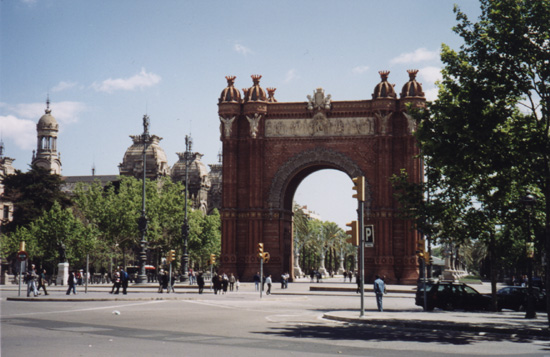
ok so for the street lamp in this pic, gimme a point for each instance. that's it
(185, 227)
(142, 221)
(529, 202)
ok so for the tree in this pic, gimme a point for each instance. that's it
(44, 235)
(32, 193)
(486, 139)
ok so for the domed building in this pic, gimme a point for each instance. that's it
(156, 164)
(46, 155)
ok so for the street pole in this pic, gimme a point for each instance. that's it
(361, 217)
(142, 221)
(261, 277)
(185, 227)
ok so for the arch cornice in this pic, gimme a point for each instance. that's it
(317, 158)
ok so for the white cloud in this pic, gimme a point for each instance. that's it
(430, 74)
(138, 81)
(360, 69)
(431, 94)
(21, 131)
(61, 86)
(18, 122)
(290, 75)
(64, 112)
(242, 49)
(420, 55)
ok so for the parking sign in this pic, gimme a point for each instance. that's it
(369, 235)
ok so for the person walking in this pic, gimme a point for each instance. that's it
(30, 279)
(268, 281)
(231, 282)
(379, 290)
(72, 283)
(116, 282)
(200, 282)
(42, 282)
(124, 281)
(257, 281)
(358, 280)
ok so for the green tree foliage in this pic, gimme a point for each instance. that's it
(44, 235)
(115, 209)
(486, 139)
(32, 193)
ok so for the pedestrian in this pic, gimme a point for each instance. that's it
(237, 284)
(124, 281)
(42, 282)
(116, 282)
(30, 279)
(200, 282)
(358, 280)
(268, 281)
(159, 279)
(283, 280)
(225, 283)
(257, 280)
(172, 283)
(72, 283)
(379, 289)
(231, 282)
(165, 281)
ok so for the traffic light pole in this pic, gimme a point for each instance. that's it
(261, 276)
(361, 217)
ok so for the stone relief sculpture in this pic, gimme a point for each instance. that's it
(411, 123)
(254, 121)
(384, 122)
(226, 126)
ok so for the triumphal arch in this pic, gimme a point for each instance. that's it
(269, 147)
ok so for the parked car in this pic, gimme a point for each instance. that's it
(450, 295)
(515, 298)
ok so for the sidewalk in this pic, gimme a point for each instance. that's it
(506, 322)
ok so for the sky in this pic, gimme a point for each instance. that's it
(104, 64)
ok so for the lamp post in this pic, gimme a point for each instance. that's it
(185, 227)
(529, 202)
(142, 221)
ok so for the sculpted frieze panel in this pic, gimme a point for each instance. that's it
(319, 125)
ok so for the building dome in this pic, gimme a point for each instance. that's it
(255, 93)
(412, 88)
(384, 89)
(156, 164)
(47, 121)
(230, 93)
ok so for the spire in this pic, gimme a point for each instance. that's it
(48, 110)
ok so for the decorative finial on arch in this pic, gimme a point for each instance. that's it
(412, 74)
(230, 80)
(271, 94)
(384, 75)
(256, 78)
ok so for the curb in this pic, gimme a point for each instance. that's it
(442, 325)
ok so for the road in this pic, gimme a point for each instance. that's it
(236, 324)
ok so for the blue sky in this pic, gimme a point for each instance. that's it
(105, 64)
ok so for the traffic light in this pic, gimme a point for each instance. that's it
(266, 257)
(353, 232)
(171, 256)
(359, 187)
(261, 250)
(421, 248)
(212, 259)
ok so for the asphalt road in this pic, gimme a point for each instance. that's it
(236, 324)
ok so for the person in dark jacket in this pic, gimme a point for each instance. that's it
(42, 282)
(72, 283)
(200, 282)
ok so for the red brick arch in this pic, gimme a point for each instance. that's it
(269, 147)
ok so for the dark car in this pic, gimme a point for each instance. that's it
(450, 295)
(515, 298)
